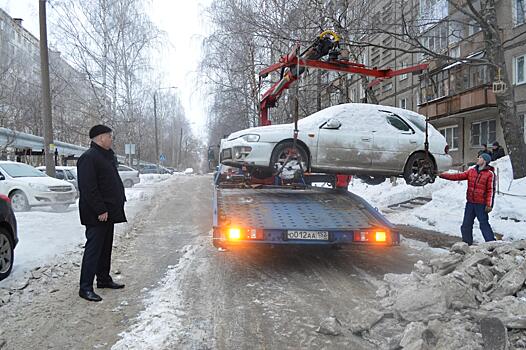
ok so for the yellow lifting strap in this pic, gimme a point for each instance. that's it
(330, 32)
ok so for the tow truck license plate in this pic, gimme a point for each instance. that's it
(308, 235)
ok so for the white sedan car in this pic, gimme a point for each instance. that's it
(28, 187)
(370, 141)
(129, 176)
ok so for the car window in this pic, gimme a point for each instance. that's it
(70, 175)
(59, 174)
(398, 123)
(21, 170)
(417, 120)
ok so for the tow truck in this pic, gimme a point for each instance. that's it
(288, 207)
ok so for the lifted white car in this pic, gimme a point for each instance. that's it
(28, 187)
(371, 141)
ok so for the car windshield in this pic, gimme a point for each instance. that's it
(21, 170)
(417, 121)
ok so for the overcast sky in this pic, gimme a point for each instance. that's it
(185, 28)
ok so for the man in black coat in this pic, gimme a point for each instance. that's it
(101, 205)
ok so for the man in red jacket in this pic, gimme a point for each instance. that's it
(480, 197)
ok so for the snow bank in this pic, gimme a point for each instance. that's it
(445, 211)
(147, 179)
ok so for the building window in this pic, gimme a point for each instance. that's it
(519, 12)
(455, 52)
(455, 32)
(519, 70)
(474, 27)
(403, 64)
(451, 135)
(484, 132)
(387, 87)
(402, 103)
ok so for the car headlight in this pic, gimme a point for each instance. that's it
(250, 137)
(39, 187)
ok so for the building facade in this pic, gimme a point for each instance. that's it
(456, 95)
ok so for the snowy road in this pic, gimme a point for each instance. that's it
(182, 294)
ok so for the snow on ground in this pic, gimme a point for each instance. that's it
(445, 211)
(156, 326)
(45, 236)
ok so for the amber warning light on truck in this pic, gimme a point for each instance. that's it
(370, 236)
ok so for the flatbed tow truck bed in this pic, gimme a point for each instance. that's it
(311, 215)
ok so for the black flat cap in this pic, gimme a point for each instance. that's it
(97, 130)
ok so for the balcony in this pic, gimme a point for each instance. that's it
(475, 98)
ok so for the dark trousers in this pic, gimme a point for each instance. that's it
(97, 255)
(471, 212)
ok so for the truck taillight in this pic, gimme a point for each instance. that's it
(380, 236)
(237, 234)
(234, 234)
(370, 236)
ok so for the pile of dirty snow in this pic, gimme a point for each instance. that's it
(472, 298)
(444, 212)
(147, 179)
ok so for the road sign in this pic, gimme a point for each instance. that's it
(129, 148)
(162, 157)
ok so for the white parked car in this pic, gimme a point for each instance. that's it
(28, 187)
(370, 141)
(188, 171)
(129, 176)
(67, 173)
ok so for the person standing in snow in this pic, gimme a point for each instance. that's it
(498, 151)
(101, 205)
(480, 197)
(485, 150)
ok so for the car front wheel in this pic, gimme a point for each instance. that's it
(281, 153)
(372, 180)
(6, 253)
(19, 201)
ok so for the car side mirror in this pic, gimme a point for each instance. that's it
(332, 124)
(2, 177)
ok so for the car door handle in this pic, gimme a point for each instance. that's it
(412, 141)
(366, 139)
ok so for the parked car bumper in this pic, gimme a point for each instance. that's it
(50, 198)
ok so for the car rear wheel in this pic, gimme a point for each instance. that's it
(419, 170)
(19, 201)
(282, 152)
(6, 253)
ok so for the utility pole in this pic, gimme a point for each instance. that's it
(155, 122)
(180, 146)
(49, 149)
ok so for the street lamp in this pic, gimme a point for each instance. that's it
(155, 122)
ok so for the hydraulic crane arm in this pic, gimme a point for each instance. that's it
(294, 64)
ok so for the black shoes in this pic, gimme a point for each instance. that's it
(89, 295)
(110, 285)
